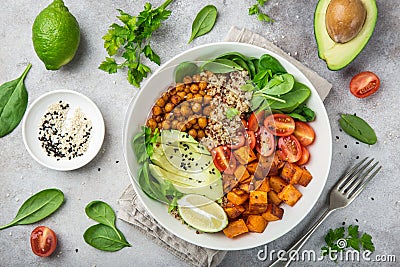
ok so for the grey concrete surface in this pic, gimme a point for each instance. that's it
(376, 211)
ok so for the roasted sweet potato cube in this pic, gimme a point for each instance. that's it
(256, 223)
(277, 183)
(252, 167)
(273, 197)
(244, 155)
(241, 173)
(264, 186)
(237, 196)
(290, 195)
(247, 180)
(305, 178)
(291, 173)
(245, 187)
(233, 211)
(229, 182)
(258, 201)
(272, 163)
(235, 228)
(273, 213)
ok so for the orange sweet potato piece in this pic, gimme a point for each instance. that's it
(290, 195)
(258, 202)
(256, 223)
(277, 183)
(273, 197)
(235, 228)
(229, 182)
(273, 213)
(252, 167)
(305, 178)
(237, 196)
(241, 173)
(233, 211)
(291, 173)
(264, 186)
(244, 155)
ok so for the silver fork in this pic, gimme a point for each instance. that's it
(342, 194)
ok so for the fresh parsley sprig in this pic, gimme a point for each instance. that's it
(255, 10)
(132, 40)
(336, 240)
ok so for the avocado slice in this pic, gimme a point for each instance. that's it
(339, 55)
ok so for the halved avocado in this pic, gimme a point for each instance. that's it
(339, 55)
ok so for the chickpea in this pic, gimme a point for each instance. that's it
(202, 92)
(159, 118)
(157, 110)
(188, 125)
(200, 134)
(196, 107)
(194, 88)
(181, 126)
(207, 99)
(203, 85)
(204, 79)
(175, 99)
(180, 87)
(187, 89)
(202, 122)
(160, 102)
(196, 126)
(166, 125)
(181, 118)
(207, 110)
(192, 119)
(185, 110)
(165, 96)
(169, 116)
(172, 91)
(174, 124)
(152, 123)
(187, 79)
(193, 133)
(177, 111)
(159, 125)
(189, 96)
(182, 94)
(169, 107)
(196, 78)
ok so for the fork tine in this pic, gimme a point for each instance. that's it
(366, 181)
(359, 179)
(345, 177)
(354, 176)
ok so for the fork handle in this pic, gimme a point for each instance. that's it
(285, 259)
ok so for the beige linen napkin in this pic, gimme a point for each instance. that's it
(132, 210)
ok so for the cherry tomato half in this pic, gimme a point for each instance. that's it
(364, 84)
(255, 120)
(265, 144)
(223, 159)
(251, 139)
(43, 241)
(241, 140)
(279, 124)
(304, 133)
(290, 148)
(305, 156)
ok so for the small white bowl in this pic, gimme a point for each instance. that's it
(30, 129)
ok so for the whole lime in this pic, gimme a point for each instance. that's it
(55, 35)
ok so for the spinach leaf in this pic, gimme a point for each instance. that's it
(101, 212)
(358, 128)
(232, 55)
(221, 66)
(103, 237)
(139, 147)
(13, 103)
(280, 84)
(267, 61)
(185, 69)
(297, 96)
(37, 207)
(204, 22)
(303, 113)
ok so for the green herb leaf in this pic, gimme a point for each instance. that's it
(280, 84)
(358, 128)
(109, 65)
(231, 113)
(104, 238)
(149, 53)
(204, 22)
(101, 212)
(37, 207)
(255, 10)
(185, 69)
(366, 242)
(13, 103)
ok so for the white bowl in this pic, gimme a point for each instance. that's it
(30, 128)
(319, 164)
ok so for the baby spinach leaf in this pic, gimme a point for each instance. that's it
(358, 128)
(37, 207)
(204, 22)
(103, 237)
(13, 103)
(303, 113)
(269, 62)
(185, 69)
(101, 212)
(280, 84)
(297, 96)
(221, 66)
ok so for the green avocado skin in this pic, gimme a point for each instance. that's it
(337, 55)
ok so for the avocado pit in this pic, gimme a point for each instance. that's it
(344, 19)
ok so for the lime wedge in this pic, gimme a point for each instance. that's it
(202, 213)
